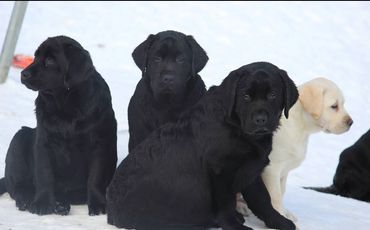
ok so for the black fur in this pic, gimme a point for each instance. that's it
(71, 155)
(185, 175)
(352, 177)
(169, 62)
(2, 186)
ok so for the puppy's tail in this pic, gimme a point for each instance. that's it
(2, 186)
(330, 190)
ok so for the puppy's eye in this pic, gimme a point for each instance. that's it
(180, 59)
(157, 59)
(49, 61)
(335, 107)
(271, 96)
(247, 97)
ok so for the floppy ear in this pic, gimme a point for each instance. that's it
(141, 52)
(290, 92)
(311, 98)
(79, 65)
(229, 86)
(199, 56)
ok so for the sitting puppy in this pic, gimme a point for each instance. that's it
(70, 157)
(319, 108)
(185, 175)
(169, 62)
(352, 178)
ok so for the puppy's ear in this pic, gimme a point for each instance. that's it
(311, 98)
(78, 65)
(140, 54)
(229, 86)
(199, 56)
(290, 92)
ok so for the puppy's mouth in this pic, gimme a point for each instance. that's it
(29, 86)
(167, 91)
(258, 132)
(341, 130)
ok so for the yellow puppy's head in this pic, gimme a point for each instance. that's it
(324, 101)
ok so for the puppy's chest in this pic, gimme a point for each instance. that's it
(290, 151)
(68, 125)
(67, 120)
(161, 117)
(230, 156)
(70, 156)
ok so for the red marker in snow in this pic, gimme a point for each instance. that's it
(21, 61)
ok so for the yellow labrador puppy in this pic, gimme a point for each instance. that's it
(319, 108)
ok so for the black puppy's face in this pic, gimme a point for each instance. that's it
(169, 61)
(60, 62)
(257, 95)
(47, 69)
(259, 103)
(169, 68)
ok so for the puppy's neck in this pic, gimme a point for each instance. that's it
(57, 93)
(302, 121)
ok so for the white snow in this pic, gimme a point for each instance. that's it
(307, 39)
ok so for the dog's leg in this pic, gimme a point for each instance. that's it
(95, 188)
(224, 199)
(23, 196)
(283, 184)
(243, 178)
(285, 212)
(271, 178)
(62, 206)
(259, 201)
(44, 200)
(101, 169)
(241, 205)
(18, 171)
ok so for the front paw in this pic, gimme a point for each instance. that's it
(242, 208)
(96, 208)
(62, 209)
(282, 223)
(96, 202)
(239, 217)
(22, 204)
(236, 227)
(290, 216)
(239, 227)
(42, 207)
(232, 223)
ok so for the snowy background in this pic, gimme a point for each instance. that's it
(307, 39)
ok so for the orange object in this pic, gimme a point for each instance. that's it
(21, 61)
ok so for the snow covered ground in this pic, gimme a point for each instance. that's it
(307, 39)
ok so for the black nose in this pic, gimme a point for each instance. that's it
(349, 122)
(260, 119)
(25, 74)
(168, 78)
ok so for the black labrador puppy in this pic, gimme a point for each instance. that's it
(185, 175)
(70, 157)
(169, 62)
(352, 177)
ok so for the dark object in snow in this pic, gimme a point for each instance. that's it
(185, 175)
(70, 157)
(352, 177)
(170, 62)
